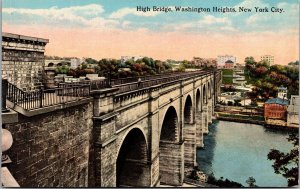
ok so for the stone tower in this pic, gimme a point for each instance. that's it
(23, 60)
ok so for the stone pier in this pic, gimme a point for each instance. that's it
(189, 145)
(205, 119)
(171, 163)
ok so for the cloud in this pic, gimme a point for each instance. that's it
(207, 24)
(132, 11)
(87, 15)
(289, 18)
(68, 12)
(211, 20)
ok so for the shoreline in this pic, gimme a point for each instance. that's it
(257, 122)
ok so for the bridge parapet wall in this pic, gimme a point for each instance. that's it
(47, 147)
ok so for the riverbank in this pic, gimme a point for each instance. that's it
(253, 119)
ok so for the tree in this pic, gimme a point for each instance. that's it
(286, 164)
(222, 183)
(62, 69)
(84, 66)
(91, 61)
(251, 182)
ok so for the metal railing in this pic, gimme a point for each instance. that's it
(157, 80)
(121, 81)
(74, 91)
(45, 98)
(94, 84)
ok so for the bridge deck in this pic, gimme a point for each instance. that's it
(74, 92)
(156, 80)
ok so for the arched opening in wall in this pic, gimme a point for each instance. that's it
(204, 95)
(188, 110)
(169, 127)
(169, 151)
(50, 64)
(132, 168)
(198, 101)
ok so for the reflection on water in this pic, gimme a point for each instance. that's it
(239, 150)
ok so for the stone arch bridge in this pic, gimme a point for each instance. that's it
(133, 134)
(149, 136)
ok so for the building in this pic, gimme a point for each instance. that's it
(282, 93)
(75, 63)
(222, 59)
(293, 112)
(134, 58)
(229, 64)
(268, 58)
(275, 111)
(204, 62)
(23, 60)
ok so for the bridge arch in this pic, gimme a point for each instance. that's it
(169, 149)
(198, 101)
(188, 111)
(131, 163)
(204, 95)
(169, 128)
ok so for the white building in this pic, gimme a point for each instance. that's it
(75, 63)
(134, 58)
(293, 112)
(268, 58)
(282, 93)
(222, 59)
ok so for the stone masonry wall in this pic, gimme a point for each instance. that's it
(52, 149)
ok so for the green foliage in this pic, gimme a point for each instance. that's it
(117, 69)
(251, 182)
(193, 175)
(227, 72)
(78, 72)
(84, 66)
(227, 76)
(294, 63)
(181, 68)
(91, 61)
(62, 69)
(227, 80)
(223, 183)
(267, 78)
(287, 164)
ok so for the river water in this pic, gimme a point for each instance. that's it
(239, 150)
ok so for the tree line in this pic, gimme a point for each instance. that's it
(267, 79)
(117, 68)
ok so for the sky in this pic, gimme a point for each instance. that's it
(113, 28)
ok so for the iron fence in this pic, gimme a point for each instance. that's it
(44, 98)
(74, 91)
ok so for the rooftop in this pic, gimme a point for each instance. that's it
(277, 101)
(23, 37)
